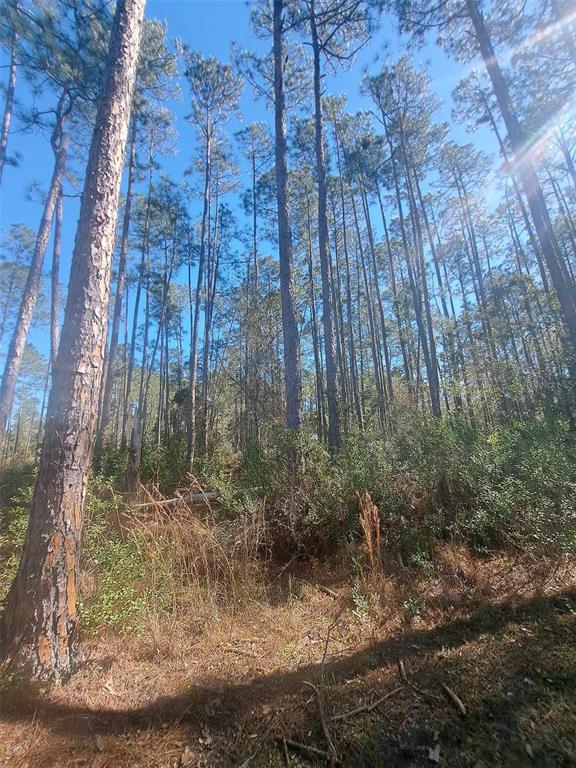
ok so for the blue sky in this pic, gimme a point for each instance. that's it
(208, 26)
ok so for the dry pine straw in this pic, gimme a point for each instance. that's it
(236, 691)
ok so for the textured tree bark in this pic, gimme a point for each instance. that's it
(9, 106)
(323, 247)
(55, 281)
(59, 142)
(120, 286)
(39, 627)
(292, 382)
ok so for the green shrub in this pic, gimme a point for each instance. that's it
(16, 488)
(117, 569)
(164, 465)
(114, 565)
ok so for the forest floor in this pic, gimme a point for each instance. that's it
(473, 666)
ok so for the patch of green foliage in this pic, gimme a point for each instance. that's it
(116, 583)
(16, 487)
(430, 478)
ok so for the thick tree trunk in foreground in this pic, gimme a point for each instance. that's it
(9, 106)
(20, 333)
(39, 629)
(292, 382)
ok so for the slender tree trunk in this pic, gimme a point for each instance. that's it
(316, 342)
(378, 296)
(536, 202)
(134, 334)
(292, 381)
(378, 376)
(39, 629)
(324, 250)
(42, 408)
(8, 105)
(395, 302)
(110, 374)
(338, 323)
(197, 303)
(55, 281)
(533, 240)
(28, 301)
(353, 366)
(137, 432)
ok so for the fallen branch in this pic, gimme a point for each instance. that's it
(367, 707)
(403, 676)
(402, 671)
(192, 498)
(455, 699)
(327, 591)
(332, 753)
(306, 748)
(285, 750)
(321, 588)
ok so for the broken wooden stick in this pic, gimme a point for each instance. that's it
(367, 707)
(404, 677)
(456, 700)
(306, 748)
(332, 753)
(285, 749)
(192, 498)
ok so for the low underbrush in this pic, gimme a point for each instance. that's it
(513, 487)
(380, 506)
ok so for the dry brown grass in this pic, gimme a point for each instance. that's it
(370, 524)
(219, 678)
(214, 564)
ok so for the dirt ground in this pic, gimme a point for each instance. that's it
(473, 665)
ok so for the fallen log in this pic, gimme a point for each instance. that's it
(191, 498)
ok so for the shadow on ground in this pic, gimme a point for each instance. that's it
(512, 663)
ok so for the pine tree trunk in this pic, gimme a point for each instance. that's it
(324, 251)
(110, 373)
(55, 282)
(8, 106)
(395, 302)
(378, 376)
(136, 433)
(378, 293)
(353, 366)
(28, 302)
(292, 382)
(191, 434)
(134, 332)
(528, 178)
(315, 340)
(40, 622)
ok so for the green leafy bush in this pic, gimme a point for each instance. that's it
(115, 583)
